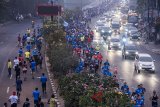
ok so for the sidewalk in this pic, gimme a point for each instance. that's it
(152, 47)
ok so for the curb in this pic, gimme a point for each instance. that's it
(51, 81)
(156, 51)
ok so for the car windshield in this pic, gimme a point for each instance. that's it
(133, 32)
(131, 48)
(132, 19)
(132, 28)
(145, 59)
(135, 35)
(102, 18)
(100, 25)
(115, 26)
(105, 28)
(115, 40)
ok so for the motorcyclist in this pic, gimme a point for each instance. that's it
(33, 23)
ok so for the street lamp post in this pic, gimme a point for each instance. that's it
(148, 21)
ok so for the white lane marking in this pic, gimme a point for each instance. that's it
(38, 77)
(8, 90)
(11, 77)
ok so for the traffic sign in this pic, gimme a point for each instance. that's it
(49, 10)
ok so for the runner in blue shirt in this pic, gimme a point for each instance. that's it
(28, 47)
(43, 80)
(20, 52)
(139, 102)
(124, 87)
(33, 68)
(36, 96)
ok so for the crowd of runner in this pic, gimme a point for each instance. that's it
(29, 59)
(79, 36)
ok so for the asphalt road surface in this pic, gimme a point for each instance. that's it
(8, 50)
(126, 67)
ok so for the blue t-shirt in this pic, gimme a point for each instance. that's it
(33, 64)
(124, 87)
(28, 47)
(20, 51)
(43, 79)
(36, 95)
(34, 52)
(139, 91)
(139, 103)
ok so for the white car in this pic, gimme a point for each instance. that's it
(145, 62)
(98, 25)
(132, 30)
(114, 42)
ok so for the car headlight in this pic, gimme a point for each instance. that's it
(119, 44)
(153, 67)
(126, 30)
(127, 53)
(109, 38)
(102, 31)
(110, 31)
(136, 52)
(111, 44)
(140, 67)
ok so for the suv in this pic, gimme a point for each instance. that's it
(106, 32)
(144, 62)
(129, 50)
(114, 43)
(135, 37)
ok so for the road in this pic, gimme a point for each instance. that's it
(126, 67)
(8, 50)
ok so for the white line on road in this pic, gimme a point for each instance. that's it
(8, 89)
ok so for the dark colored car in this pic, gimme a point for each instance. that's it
(106, 32)
(129, 50)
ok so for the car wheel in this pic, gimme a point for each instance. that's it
(124, 56)
(138, 71)
(153, 71)
(109, 48)
(135, 69)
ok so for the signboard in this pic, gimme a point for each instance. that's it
(48, 10)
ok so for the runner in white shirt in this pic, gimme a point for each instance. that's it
(13, 99)
(16, 61)
(28, 39)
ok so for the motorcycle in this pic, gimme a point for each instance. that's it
(33, 23)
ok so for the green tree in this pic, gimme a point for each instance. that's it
(60, 55)
(141, 5)
(3, 7)
(78, 91)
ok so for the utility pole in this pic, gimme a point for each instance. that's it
(81, 4)
(52, 5)
(148, 21)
